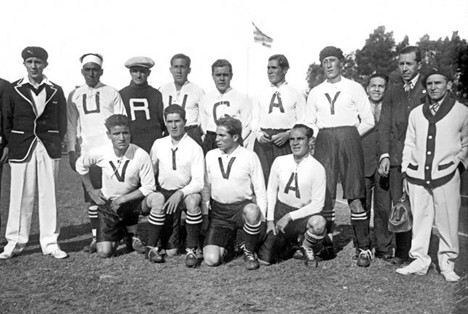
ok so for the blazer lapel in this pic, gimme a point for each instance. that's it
(25, 93)
(50, 92)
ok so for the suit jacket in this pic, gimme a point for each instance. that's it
(23, 127)
(370, 148)
(396, 106)
(4, 86)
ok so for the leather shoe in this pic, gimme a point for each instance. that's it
(408, 270)
(7, 255)
(384, 256)
(398, 261)
(58, 254)
(450, 276)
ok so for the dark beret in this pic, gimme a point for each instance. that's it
(330, 51)
(434, 71)
(37, 52)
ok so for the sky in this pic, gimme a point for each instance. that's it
(207, 30)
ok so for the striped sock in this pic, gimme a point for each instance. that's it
(93, 218)
(251, 235)
(156, 222)
(193, 226)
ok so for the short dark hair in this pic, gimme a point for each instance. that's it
(182, 56)
(232, 125)
(380, 75)
(175, 109)
(410, 49)
(221, 63)
(282, 61)
(309, 131)
(116, 120)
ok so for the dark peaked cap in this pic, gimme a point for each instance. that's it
(37, 52)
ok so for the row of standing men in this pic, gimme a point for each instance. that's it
(338, 111)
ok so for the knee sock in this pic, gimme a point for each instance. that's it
(251, 235)
(193, 226)
(156, 222)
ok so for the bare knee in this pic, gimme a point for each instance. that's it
(211, 255)
(105, 249)
(317, 224)
(154, 203)
(192, 204)
(252, 214)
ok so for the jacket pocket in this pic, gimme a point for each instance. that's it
(17, 132)
(52, 131)
(445, 166)
(413, 167)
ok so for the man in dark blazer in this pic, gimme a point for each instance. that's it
(377, 186)
(398, 101)
(3, 151)
(35, 122)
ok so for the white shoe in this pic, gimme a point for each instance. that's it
(7, 255)
(58, 254)
(450, 276)
(409, 270)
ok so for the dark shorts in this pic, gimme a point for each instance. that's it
(294, 227)
(111, 224)
(194, 131)
(170, 234)
(283, 245)
(339, 150)
(225, 219)
(209, 142)
(95, 174)
(267, 152)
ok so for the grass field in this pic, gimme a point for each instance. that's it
(83, 283)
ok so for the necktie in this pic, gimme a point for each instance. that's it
(408, 86)
(434, 108)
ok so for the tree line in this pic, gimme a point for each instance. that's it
(380, 55)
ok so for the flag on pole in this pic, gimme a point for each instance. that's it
(261, 38)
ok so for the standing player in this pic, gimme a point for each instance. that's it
(377, 189)
(221, 102)
(35, 122)
(341, 111)
(435, 152)
(296, 194)
(88, 108)
(4, 85)
(184, 93)
(179, 165)
(233, 178)
(143, 104)
(277, 110)
(127, 184)
(399, 100)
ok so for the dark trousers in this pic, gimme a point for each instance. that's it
(379, 187)
(267, 152)
(402, 239)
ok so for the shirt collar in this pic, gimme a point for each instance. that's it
(26, 80)
(278, 87)
(414, 80)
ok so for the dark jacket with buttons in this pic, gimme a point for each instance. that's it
(396, 106)
(23, 127)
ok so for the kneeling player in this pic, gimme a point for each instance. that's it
(127, 184)
(233, 177)
(296, 194)
(179, 165)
